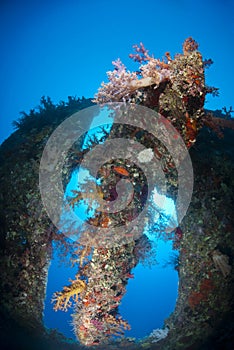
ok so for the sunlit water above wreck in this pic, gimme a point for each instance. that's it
(151, 291)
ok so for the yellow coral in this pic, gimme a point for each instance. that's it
(62, 299)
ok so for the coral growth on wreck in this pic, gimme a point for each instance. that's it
(173, 87)
(221, 262)
(196, 297)
(176, 89)
(96, 318)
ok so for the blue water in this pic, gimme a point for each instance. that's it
(151, 295)
(58, 276)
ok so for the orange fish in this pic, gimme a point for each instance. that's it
(120, 170)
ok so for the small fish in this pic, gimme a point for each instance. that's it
(121, 171)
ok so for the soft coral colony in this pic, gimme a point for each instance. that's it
(176, 89)
(173, 87)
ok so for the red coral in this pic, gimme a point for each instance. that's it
(205, 288)
(194, 299)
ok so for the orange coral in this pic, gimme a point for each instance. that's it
(189, 46)
(102, 220)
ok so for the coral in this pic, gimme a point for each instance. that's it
(126, 86)
(48, 114)
(97, 292)
(97, 330)
(81, 255)
(117, 325)
(89, 196)
(196, 297)
(159, 334)
(174, 87)
(218, 124)
(221, 262)
(189, 46)
(62, 299)
(145, 156)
